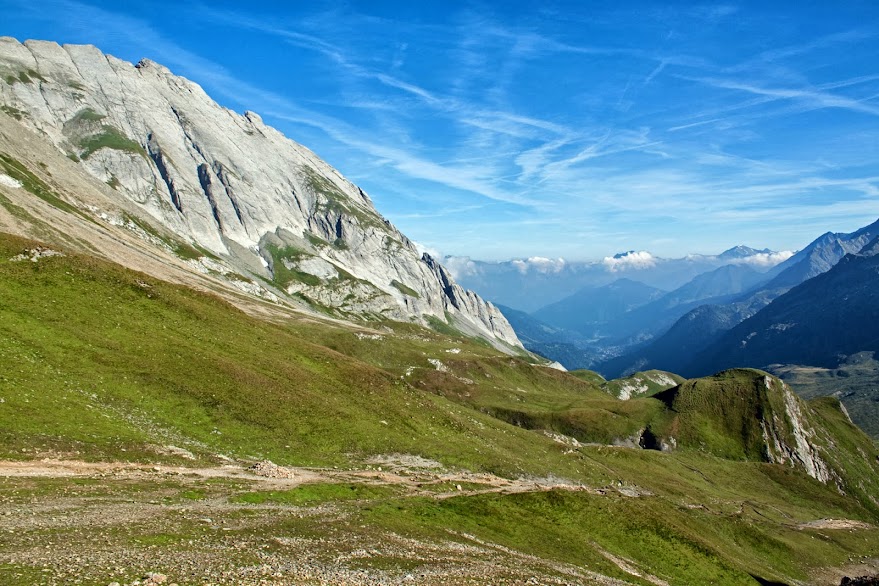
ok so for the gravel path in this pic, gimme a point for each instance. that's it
(74, 522)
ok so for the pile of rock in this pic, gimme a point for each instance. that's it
(35, 254)
(269, 469)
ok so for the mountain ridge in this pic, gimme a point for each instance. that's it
(829, 316)
(702, 326)
(255, 200)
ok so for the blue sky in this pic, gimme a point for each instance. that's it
(574, 130)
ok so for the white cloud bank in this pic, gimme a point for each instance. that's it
(433, 252)
(540, 264)
(629, 261)
(460, 266)
(764, 260)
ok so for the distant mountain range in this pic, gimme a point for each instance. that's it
(818, 322)
(701, 327)
(533, 283)
(588, 308)
(597, 323)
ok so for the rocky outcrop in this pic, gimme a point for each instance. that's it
(233, 186)
(790, 437)
(745, 414)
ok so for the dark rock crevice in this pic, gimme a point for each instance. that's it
(443, 277)
(162, 164)
(204, 178)
(223, 175)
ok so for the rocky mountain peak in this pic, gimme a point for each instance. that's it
(742, 251)
(232, 186)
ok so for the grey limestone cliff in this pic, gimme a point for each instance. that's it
(232, 185)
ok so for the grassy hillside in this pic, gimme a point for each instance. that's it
(746, 414)
(101, 363)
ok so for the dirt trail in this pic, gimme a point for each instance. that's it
(419, 481)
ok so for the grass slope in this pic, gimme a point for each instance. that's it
(102, 363)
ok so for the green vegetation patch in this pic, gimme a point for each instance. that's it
(86, 115)
(336, 202)
(573, 528)
(103, 363)
(318, 242)
(109, 138)
(320, 184)
(20, 575)
(182, 249)
(14, 112)
(315, 240)
(724, 414)
(283, 275)
(444, 327)
(589, 376)
(22, 76)
(642, 384)
(404, 289)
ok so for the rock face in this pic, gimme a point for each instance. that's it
(231, 185)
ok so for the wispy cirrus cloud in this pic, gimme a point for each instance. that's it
(807, 98)
(550, 132)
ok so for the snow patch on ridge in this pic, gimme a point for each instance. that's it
(7, 181)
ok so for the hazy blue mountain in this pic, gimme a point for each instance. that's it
(830, 316)
(595, 323)
(564, 346)
(588, 308)
(822, 254)
(531, 329)
(704, 325)
(717, 287)
(727, 280)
